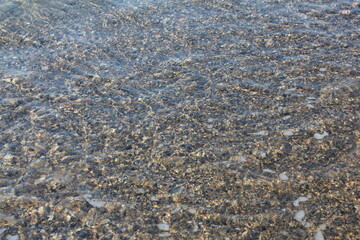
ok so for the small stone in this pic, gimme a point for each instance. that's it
(83, 234)
(14, 102)
(306, 224)
(299, 216)
(154, 199)
(97, 204)
(176, 210)
(283, 177)
(164, 234)
(310, 105)
(196, 227)
(41, 210)
(288, 133)
(300, 199)
(8, 157)
(44, 68)
(241, 159)
(319, 235)
(12, 237)
(38, 163)
(286, 117)
(322, 227)
(7, 219)
(269, 43)
(266, 170)
(236, 159)
(163, 227)
(259, 133)
(345, 12)
(319, 136)
(192, 210)
(262, 154)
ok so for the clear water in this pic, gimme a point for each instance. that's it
(236, 61)
(117, 83)
(243, 64)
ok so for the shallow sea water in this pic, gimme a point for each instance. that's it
(179, 119)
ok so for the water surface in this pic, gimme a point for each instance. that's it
(228, 109)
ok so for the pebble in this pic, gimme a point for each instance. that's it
(164, 227)
(38, 163)
(12, 237)
(320, 136)
(286, 117)
(300, 199)
(283, 177)
(192, 210)
(310, 105)
(8, 157)
(154, 199)
(97, 204)
(288, 133)
(14, 102)
(176, 210)
(259, 133)
(319, 235)
(210, 120)
(299, 216)
(290, 90)
(306, 224)
(322, 226)
(266, 170)
(196, 227)
(164, 234)
(44, 68)
(238, 159)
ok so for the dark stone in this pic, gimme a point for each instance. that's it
(84, 234)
